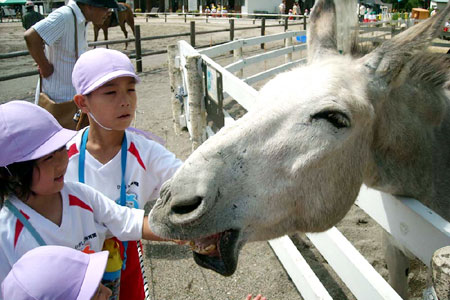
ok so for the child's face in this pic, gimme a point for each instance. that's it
(48, 173)
(114, 103)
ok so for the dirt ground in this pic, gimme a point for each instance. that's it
(171, 271)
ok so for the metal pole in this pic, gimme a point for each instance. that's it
(286, 24)
(137, 36)
(263, 30)
(304, 22)
(193, 34)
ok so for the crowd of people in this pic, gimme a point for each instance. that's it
(295, 10)
(72, 201)
(216, 11)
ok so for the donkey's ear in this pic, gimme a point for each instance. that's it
(322, 30)
(388, 60)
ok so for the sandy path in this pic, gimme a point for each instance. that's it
(170, 269)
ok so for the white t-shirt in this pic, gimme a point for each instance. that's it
(148, 166)
(88, 217)
(58, 32)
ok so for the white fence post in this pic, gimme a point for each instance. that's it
(237, 53)
(288, 43)
(175, 82)
(196, 105)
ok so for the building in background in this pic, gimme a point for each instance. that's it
(271, 6)
(438, 4)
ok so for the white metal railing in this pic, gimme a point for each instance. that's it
(415, 226)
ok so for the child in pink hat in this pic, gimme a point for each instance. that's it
(125, 166)
(56, 272)
(39, 208)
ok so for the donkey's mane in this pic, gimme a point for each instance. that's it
(430, 68)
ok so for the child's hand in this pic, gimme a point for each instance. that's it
(258, 297)
(180, 242)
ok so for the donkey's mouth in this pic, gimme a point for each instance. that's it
(218, 252)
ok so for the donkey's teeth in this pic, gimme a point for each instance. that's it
(200, 249)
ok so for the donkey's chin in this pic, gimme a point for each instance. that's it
(218, 252)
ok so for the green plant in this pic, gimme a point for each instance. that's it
(395, 16)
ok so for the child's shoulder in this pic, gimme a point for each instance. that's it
(144, 136)
(145, 142)
(78, 189)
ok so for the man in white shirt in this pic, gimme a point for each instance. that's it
(57, 34)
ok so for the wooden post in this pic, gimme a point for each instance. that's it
(193, 34)
(165, 18)
(304, 22)
(237, 54)
(137, 36)
(286, 24)
(185, 17)
(288, 43)
(263, 30)
(231, 30)
(175, 83)
(197, 110)
(440, 269)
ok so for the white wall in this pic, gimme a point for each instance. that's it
(439, 4)
(271, 6)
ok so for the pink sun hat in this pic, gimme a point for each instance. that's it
(96, 67)
(54, 273)
(29, 132)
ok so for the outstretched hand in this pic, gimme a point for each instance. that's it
(258, 297)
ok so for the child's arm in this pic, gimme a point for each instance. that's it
(147, 233)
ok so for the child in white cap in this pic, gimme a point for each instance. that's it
(55, 273)
(38, 207)
(123, 165)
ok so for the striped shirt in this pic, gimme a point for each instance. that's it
(58, 33)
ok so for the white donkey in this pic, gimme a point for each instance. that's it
(297, 162)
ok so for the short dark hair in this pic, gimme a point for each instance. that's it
(16, 179)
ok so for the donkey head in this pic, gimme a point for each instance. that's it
(294, 163)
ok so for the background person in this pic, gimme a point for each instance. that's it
(57, 272)
(282, 7)
(30, 17)
(56, 33)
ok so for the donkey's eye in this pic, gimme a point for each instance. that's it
(337, 118)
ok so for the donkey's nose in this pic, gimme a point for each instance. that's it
(186, 210)
(186, 206)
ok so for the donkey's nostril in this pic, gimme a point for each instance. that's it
(187, 206)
